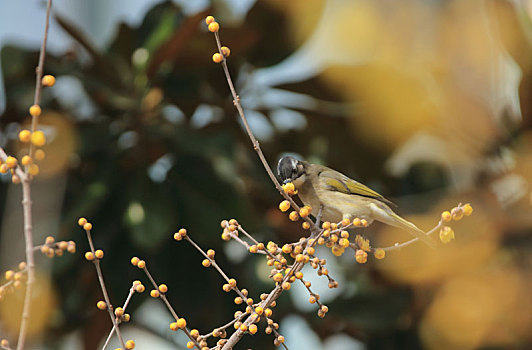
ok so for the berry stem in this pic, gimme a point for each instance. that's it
(39, 71)
(169, 306)
(104, 290)
(126, 303)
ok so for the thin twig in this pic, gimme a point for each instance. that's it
(96, 262)
(256, 145)
(124, 307)
(39, 71)
(162, 296)
(216, 266)
(225, 326)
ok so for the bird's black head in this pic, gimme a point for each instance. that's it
(289, 169)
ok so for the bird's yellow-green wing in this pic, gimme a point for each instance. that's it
(336, 181)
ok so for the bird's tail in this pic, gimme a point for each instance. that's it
(388, 216)
(413, 229)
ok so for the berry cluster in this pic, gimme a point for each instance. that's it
(36, 138)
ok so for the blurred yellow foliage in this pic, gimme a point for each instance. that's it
(489, 306)
(44, 302)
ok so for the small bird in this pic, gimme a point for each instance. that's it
(341, 197)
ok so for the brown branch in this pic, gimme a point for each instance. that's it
(162, 296)
(126, 303)
(39, 71)
(96, 262)
(256, 145)
(215, 265)
(26, 198)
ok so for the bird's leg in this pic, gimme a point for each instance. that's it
(318, 217)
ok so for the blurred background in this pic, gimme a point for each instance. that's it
(427, 102)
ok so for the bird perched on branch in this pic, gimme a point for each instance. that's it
(341, 197)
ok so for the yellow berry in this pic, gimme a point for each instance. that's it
(293, 216)
(99, 254)
(11, 162)
(134, 261)
(89, 256)
(225, 51)
(190, 345)
(71, 247)
(289, 188)
(4, 168)
(173, 326)
(26, 160)
(101, 305)
(139, 288)
(130, 344)
(287, 248)
(343, 242)
(39, 154)
(33, 169)
(181, 323)
(182, 232)
(278, 277)
(243, 327)
(446, 234)
(24, 136)
(15, 179)
(364, 223)
(154, 293)
(286, 285)
(87, 226)
(4, 343)
(217, 58)
(305, 225)
(141, 264)
(253, 329)
(238, 300)
(232, 282)
(346, 222)
(49, 240)
(119, 311)
(211, 253)
(194, 333)
(35, 110)
(284, 206)
(379, 253)
(209, 20)
(457, 213)
(48, 80)
(9, 275)
(177, 236)
(304, 212)
(446, 216)
(468, 209)
(82, 221)
(206, 263)
(361, 256)
(163, 288)
(214, 27)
